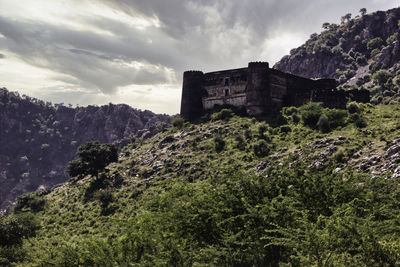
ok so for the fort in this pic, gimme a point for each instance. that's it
(258, 90)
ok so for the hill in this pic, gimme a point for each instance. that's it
(38, 139)
(232, 191)
(307, 186)
(361, 52)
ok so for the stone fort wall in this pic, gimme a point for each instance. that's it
(258, 89)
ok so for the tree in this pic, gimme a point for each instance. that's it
(346, 17)
(93, 157)
(326, 25)
(363, 11)
(375, 43)
(381, 76)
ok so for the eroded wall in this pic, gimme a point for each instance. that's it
(225, 88)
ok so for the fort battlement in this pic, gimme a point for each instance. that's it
(259, 90)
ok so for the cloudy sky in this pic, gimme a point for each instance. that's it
(134, 51)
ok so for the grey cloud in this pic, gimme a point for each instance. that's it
(95, 61)
(200, 23)
(2, 56)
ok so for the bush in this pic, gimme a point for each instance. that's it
(261, 148)
(375, 43)
(240, 143)
(336, 117)
(392, 38)
(323, 124)
(93, 157)
(295, 118)
(178, 123)
(219, 143)
(15, 227)
(381, 76)
(342, 79)
(375, 52)
(104, 196)
(289, 110)
(339, 156)
(224, 114)
(361, 60)
(262, 128)
(353, 107)
(31, 201)
(375, 66)
(358, 120)
(310, 113)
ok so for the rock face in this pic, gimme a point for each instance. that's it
(345, 46)
(37, 139)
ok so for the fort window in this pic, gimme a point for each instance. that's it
(226, 92)
(226, 81)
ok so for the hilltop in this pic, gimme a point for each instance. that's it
(355, 52)
(37, 138)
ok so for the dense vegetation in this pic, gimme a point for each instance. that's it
(231, 191)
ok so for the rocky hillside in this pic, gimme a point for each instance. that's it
(37, 139)
(364, 51)
(312, 186)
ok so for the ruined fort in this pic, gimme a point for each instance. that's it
(258, 90)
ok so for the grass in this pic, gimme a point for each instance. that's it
(68, 219)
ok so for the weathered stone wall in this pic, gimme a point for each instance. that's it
(225, 88)
(192, 94)
(258, 100)
(259, 90)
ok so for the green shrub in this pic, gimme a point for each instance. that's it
(15, 227)
(32, 201)
(353, 107)
(178, 122)
(349, 73)
(381, 76)
(375, 43)
(339, 156)
(361, 60)
(295, 118)
(323, 124)
(336, 117)
(219, 144)
(342, 79)
(262, 128)
(392, 38)
(289, 110)
(358, 120)
(261, 148)
(93, 157)
(224, 114)
(104, 196)
(310, 114)
(240, 142)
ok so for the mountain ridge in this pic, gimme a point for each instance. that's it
(37, 139)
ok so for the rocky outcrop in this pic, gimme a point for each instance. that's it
(38, 139)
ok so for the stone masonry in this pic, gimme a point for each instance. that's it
(258, 89)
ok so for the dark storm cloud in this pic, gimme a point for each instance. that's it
(180, 17)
